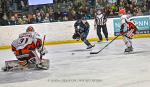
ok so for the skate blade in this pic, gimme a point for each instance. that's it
(131, 52)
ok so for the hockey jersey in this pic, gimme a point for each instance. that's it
(26, 43)
(132, 26)
(124, 20)
(132, 29)
(81, 26)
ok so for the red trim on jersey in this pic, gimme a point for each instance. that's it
(28, 48)
(131, 26)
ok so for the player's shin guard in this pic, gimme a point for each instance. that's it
(128, 44)
(127, 41)
(88, 44)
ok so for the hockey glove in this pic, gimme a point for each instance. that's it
(76, 36)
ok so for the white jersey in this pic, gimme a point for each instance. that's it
(25, 39)
(124, 20)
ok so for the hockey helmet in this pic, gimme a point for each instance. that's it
(30, 29)
(122, 11)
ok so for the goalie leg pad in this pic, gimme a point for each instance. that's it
(14, 66)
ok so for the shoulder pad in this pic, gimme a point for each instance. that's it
(36, 35)
(27, 34)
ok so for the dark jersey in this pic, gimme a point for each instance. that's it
(81, 26)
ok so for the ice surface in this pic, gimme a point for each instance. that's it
(71, 65)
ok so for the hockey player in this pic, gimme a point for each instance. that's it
(81, 31)
(128, 29)
(25, 48)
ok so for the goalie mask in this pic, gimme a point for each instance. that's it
(30, 29)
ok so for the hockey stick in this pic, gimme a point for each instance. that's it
(104, 46)
(42, 47)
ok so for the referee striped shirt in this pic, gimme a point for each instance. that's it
(100, 19)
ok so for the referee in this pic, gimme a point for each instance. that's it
(100, 23)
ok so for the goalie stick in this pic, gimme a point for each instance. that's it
(104, 46)
(42, 47)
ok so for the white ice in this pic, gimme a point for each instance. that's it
(71, 65)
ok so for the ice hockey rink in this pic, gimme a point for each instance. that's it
(71, 65)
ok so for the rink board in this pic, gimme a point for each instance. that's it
(73, 41)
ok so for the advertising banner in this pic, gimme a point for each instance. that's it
(142, 23)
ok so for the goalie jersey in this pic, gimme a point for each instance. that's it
(27, 42)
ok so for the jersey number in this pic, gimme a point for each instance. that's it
(22, 41)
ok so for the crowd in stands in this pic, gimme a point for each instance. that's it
(18, 12)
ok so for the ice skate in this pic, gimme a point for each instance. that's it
(90, 46)
(99, 41)
(129, 50)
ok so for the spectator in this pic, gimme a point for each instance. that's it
(47, 18)
(23, 4)
(114, 9)
(148, 5)
(139, 12)
(33, 19)
(25, 19)
(64, 10)
(65, 16)
(13, 21)
(39, 18)
(20, 21)
(3, 20)
(129, 13)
